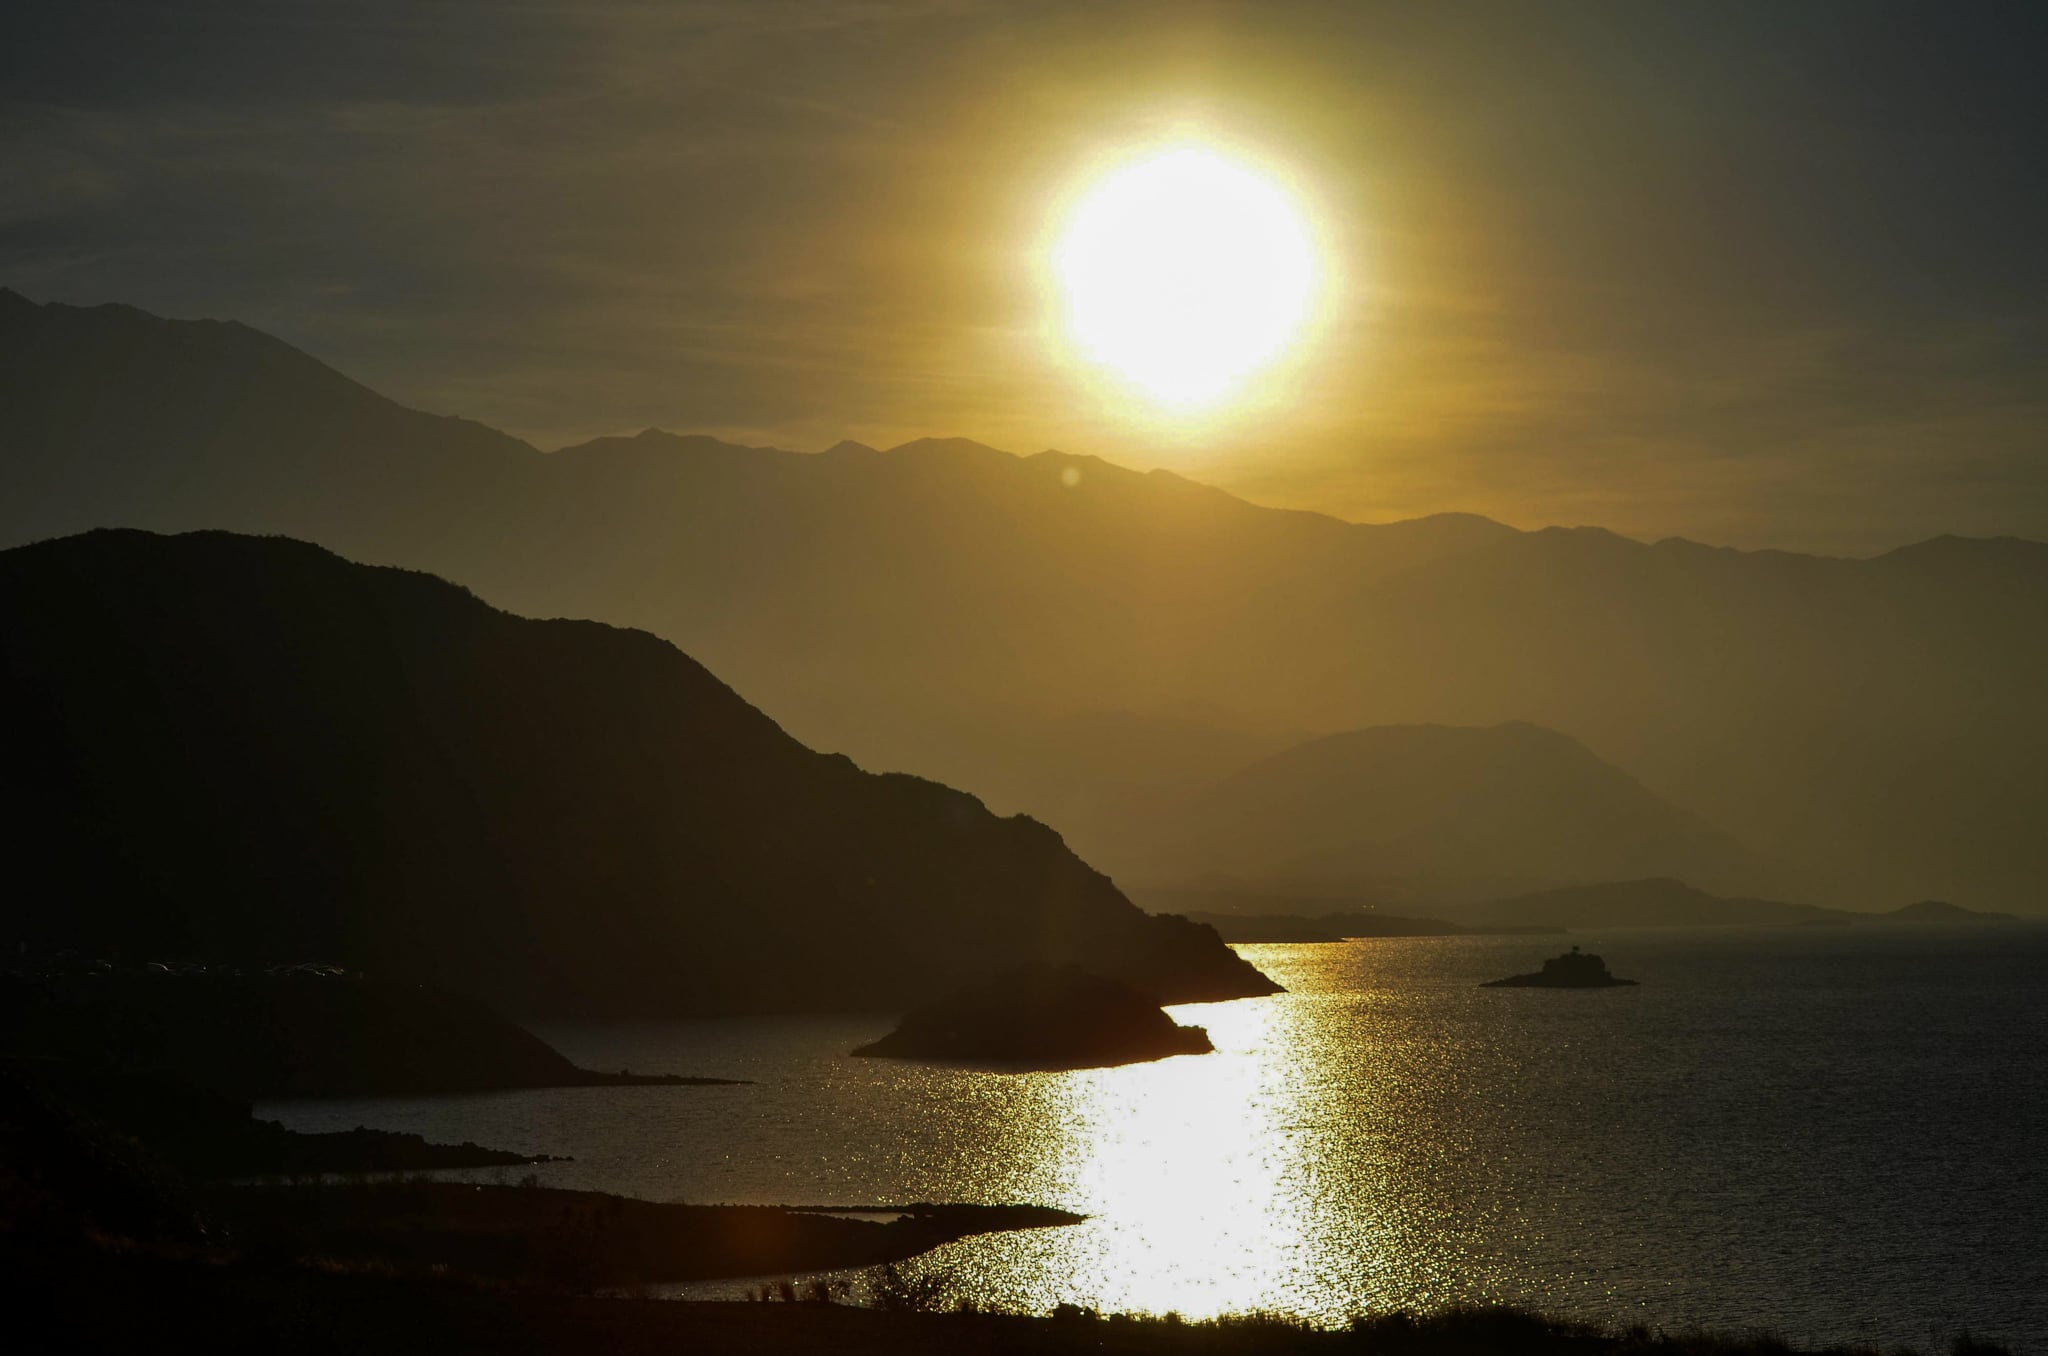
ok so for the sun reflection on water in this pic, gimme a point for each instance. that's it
(1387, 1134)
(1214, 1185)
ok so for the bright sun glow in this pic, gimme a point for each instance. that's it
(1185, 272)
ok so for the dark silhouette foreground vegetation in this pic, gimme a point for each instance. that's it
(96, 1299)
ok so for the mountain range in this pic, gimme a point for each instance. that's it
(249, 751)
(1103, 648)
(1663, 903)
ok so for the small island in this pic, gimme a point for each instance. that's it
(1575, 969)
(1041, 1017)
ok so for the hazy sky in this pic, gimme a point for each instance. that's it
(1764, 275)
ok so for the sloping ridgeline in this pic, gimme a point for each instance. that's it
(1082, 641)
(250, 750)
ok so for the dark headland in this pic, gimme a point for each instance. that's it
(302, 757)
(1575, 969)
(1041, 1017)
(172, 1058)
(290, 1031)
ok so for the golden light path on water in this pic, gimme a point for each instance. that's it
(1389, 1135)
(1242, 1181)
(1323, 1162)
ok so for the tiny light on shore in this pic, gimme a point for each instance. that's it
(1185, 273)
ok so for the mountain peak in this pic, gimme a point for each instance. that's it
(948, 447)
(666, 439)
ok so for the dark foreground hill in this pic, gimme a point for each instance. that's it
(252, 751)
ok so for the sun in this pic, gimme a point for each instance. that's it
(1185, 273)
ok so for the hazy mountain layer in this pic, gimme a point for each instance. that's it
(251, 750)
(1086, 642)
(1653, 903)
(1430, 811)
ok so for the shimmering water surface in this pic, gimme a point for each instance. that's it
(1838, 1133)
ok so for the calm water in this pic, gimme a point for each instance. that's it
(1837, 1133)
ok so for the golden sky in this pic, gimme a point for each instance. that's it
(1754, 274)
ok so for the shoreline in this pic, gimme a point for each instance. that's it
(109, 1299)
(552, 1237)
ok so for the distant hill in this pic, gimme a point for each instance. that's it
(254, 751)
(1434, 813)
(112, 417)
(1643, 904)
(1328, 927)
(1940, 911)
(1672, 903)
(1278, 927)
(1241, 915)
(1085, 642)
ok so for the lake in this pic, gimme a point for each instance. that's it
(1835, 1133)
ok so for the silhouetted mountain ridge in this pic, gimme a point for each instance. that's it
(937, 608)
(254, 751)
